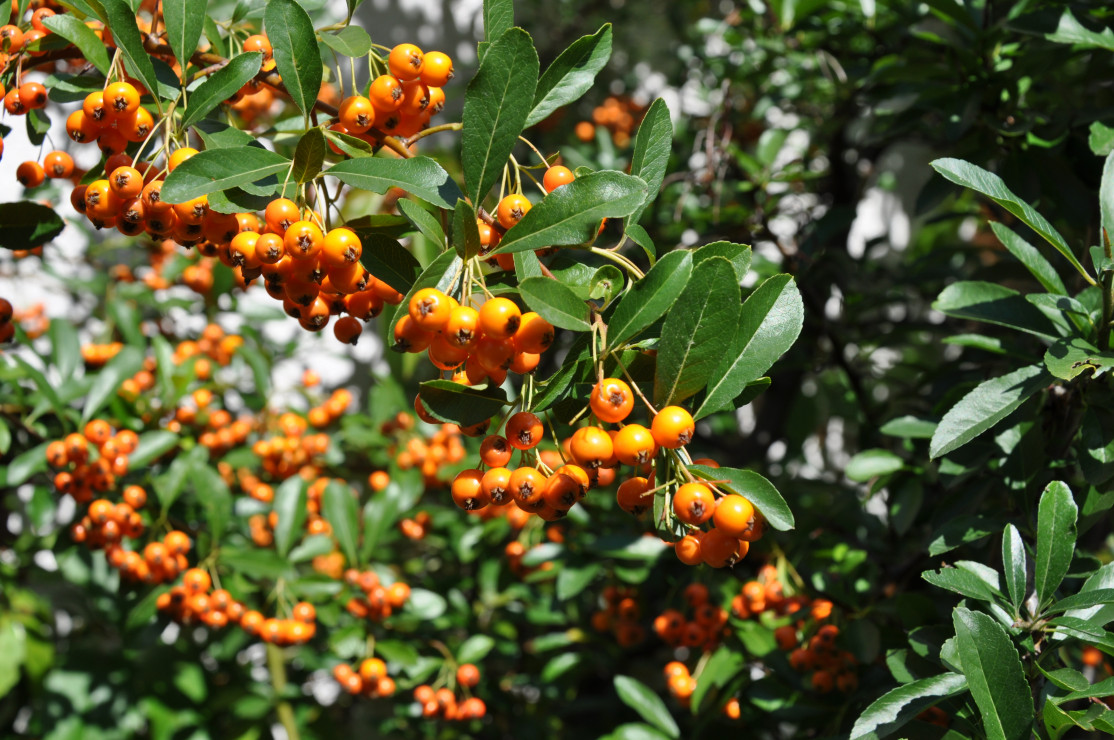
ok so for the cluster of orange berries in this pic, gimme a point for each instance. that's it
(443, 702)
(219, 432)
(681, 684)
(379, 601)
(413, 449)
(703, 630)
(98, 354)
(331, 410)
(288, 452)
(516, 550)
(620, 615)
(105, 524)
(215, 345)
(402, 102)
(619, 115)
(415, 528)
(371, 679)
(159, 562)
(84, 475)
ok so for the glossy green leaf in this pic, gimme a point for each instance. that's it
(571, 74)
(70, 28)
(555, 303)
(770, 322)
(461, 404)
(648, 704)
(650, 297)
(738, 255)
(424, 221)
(425, 604)
(572, 579)
(652, 144)
(496, 104)
(1083, 600)
(184, 21)
(466, 232)
(986, 405)
(215, 499)
(688, 352)
(28, 225)
(383, 509)
(389, 261)
(350, 41)
(1101, 139)
(420, 176)
(995, 304)
(219, 169)
(756, 489)
(994, 675)
(290, 506)
(221, 86)
(297, 55)
(571, 214)
(1031, 257)
(127, 362)
(498, 18)
(890, 712)
(65, 347)
(309, 156)
(1014, 564)
(962, 581)
(152, 445)
(121, 19)
(1056, 529)
(1070, 31)
(724, 665)
(870, 464)
(340, 509)
(475, 649)
(976, 178)
(1069, 358)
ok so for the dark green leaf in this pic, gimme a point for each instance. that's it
(290, 506)
(575, 578)
(770, 322)
(994, 675)
(382, 511)
(725, 663)
(1069, 358)
(754, 488)
(28, 225)
(496, 105)
(152, 445)
(986, 405)
(1056, 517)
(1031, 257)
(1070, 31)
(297, 54)
(738, 254)
(995, 304)
(215, 498)
(1015, 564)
(571, 214)
(649, 298)
(990, 185)
(340, 509)
(498, 18)
(1106, 191)
(555, 303)
(466, 232)
(65, 346)
(349, 144)
(222, 85)
(127, 362)
(424, 221)
(474, 649)
(606, 283)
(70, 28)
(707, 309)
(461, 404)
(309, 156)
(909, 427)
(184, 20)
(420, 176)
(891, 711)
(351, 41)
(963, 581)
(649, 705)
(23, 466)
(571, 74)
(425, 604)
(121, 19)
(652, 144)
(218, 169)
(389, 261)
(1083, 600)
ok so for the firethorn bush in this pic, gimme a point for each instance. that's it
(549, 500)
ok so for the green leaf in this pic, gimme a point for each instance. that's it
(290, 506)
(349, 144)
(28, 225)
(65, 346)
(120, 18)
(649, 705)
(1070, 31)
(219, 169)
(461, 404)
(909, 427)
(420, 176)
(498, 18)
(1106, 194)
(1101, 139)
(424, 221)
(1031, 257)
(650, 297)
(297, 54)
(870, 464)
(152, 445)
(382, 510)
(995, 304)
(725, 663)
(571, 74)
(555, 303)
(962, 581)
(215, 498)
(571, 214)
(23, 466)
(1056, 518)
(309, 156)
(607, 282)
(738, 254)
(351, 41)
(475, 649)
(652, 144)
(688, 352)
(628, 730)
(496, 105)
(466, 232)
(127, 362)
(574, 579)
(184, 20)
(1069, 358)
(891, 711)
(754, 488)
(221, 86)
(389, 261)
(1014, 564)
(994, 675)
(340, 509)
(13, 637)
(1083, 600)
(70, 28)
(770, 322)
(990, 185)
(986, 405)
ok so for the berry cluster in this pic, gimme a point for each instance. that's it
(443, 702)
(620, 616)
(703, 630)
(86, 474)
(370, 680)
(378, 601)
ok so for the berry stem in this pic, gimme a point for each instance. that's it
(285, 712)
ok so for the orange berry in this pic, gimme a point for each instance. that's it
(672, 427)
(405, 61)
(437, 69)
(557, 176)
(524, 430)
(734, 515)
(511, 209)
(499, 318)
(611, 400)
